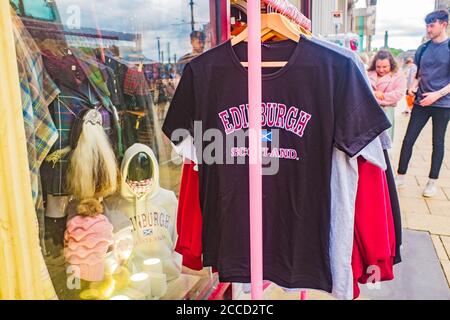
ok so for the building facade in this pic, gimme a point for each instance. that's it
(321, 16)
(442, 5)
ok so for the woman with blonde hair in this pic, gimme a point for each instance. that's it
(388, 84)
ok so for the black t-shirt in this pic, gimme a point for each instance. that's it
(317, 101)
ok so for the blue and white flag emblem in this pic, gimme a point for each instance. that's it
(266, 136)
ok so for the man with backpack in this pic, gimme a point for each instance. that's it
(431, 88)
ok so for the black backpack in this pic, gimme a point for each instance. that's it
(422, 49)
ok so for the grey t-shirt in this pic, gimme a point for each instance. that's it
(434, 71)
(344, 185)
(384, 136)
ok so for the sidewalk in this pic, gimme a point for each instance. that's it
(419, 213)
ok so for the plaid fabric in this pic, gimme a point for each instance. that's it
(93, 70)
(64, 111)
(87, 70)
(97, 74)
(140, 188)
(135, 83)
(137, 128)
(63, 69)
(37, 92)
(116, 75)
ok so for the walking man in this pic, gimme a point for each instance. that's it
(431, 88)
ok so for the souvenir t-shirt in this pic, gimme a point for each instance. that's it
(318, 100)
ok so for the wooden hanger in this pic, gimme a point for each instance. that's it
(272, 24)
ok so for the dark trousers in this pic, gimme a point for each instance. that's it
(418, 120)
(395, 206)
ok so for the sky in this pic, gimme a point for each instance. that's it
(403, 19)
(167, 19)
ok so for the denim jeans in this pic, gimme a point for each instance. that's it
(418, 120)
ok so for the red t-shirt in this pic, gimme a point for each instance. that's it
(374, 239)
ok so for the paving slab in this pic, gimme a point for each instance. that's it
(415, 192)
(439, 207)
(419, 276)
(439, 247)
(446, 242)
(413, 206)
(433, 223)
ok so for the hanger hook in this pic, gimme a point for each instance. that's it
(277, 5)
(269, 7)
(285, 8)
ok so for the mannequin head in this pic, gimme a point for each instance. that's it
(140, 174)
(140, 167)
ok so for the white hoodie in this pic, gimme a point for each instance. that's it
(153, 215)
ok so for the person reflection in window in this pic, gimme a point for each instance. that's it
(198, 46)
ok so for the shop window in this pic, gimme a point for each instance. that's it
(113, 65)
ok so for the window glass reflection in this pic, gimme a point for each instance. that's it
(116, 65)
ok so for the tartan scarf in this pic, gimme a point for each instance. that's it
(135, 83)
(37, 92)
(142, 187)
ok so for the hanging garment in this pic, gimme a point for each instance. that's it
(344, 182)
(64, 110)
(189, 219)
(65, 70)
(307, 101)
(137, 109)
(95, 71)
(77, 81)
(116, 71)
(124, 103)
(153, 215)
(384, 137)
(98, 77)
(396, 212)
(135, 83)
(115, 88)
(37, 92)
(374, 238)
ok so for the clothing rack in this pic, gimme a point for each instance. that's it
(255, 161)
(290, 11)
(255, 151)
